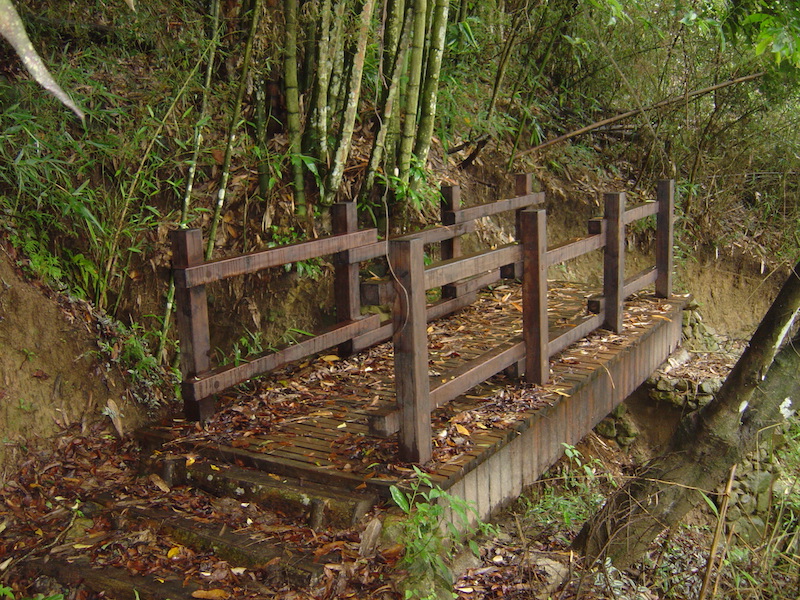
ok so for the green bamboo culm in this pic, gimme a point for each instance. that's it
(412, 91)
(379, 144)
(430, 87)
(234, 125)
(293, 106)
(343, 143)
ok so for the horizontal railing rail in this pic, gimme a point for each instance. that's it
(192, 273)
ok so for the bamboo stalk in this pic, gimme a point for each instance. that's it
(293, 105)
(342, 151)
(412, 91)
(234, 125)
(379, 144)
(187, 196)
(430, 86)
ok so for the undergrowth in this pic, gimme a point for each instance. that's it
(436, 527)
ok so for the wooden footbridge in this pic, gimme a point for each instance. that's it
(484, 399)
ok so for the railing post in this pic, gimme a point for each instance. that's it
(665, 231)
(451, 203)
(533, 226)
(346, 289)
(614, 260)
(411, 350)
(192, 321)
(523, 186)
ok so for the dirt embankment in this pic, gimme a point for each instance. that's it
(51, 373)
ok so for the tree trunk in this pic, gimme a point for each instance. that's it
(430, 88)
(293, 106)
(707, 444)
(412, 91)
(351, 110)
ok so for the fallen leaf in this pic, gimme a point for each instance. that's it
(159, 483)
(462, 430)
(215, 594)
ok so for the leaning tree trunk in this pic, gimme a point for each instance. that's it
(707, 443)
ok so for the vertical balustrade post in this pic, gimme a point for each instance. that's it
(346, 289)
(411, 350)
(665, 231)
(614, 260)
(451, 203)
(192, 320)
(533, 226)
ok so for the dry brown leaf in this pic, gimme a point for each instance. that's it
(215, 594)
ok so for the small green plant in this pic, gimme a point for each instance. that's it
(430, 539)
(250, 344)
(7, 592)
(283, 236)
(577, 496)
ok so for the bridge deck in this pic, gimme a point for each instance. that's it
(318, 420)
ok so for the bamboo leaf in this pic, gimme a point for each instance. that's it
(13, 30)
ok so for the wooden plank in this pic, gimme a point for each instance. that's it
(614, 261)
(469, 265)
(665, 232)
(478, 282)
(382, 291)
(640, 211)
(377, 291)
(472, 373)
(533, 224)
(493, 208)
(192, 320)
(275, 257)
(371, 338)
(574, 248)
(410, 342)
(578, 332)
(221, 378)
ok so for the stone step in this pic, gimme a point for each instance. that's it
(313, 504)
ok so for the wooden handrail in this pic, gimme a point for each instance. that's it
(275, 257)
(417, 396)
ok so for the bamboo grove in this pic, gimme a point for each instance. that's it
(251, 117)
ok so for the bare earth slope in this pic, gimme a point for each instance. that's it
(50, 370)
